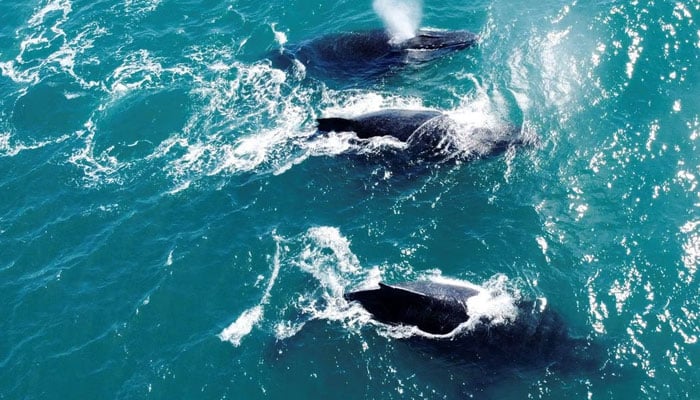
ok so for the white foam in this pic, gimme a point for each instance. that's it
(358, 102)
(244, 324)
(4, 141)
(38, 37)
(401, 17)
(140, 70)
(44, 34)
(280, 37)
(63, 6)
(140, 7)
(250, 120)
(494, 304)
(325, 255)
(455, 282)
(333, 270)
(287, 329)
(9, 148)
(97, 168)
(66, 55)
(169, 260)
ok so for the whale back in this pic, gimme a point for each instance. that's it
(433, 39)
(352, 47)
(400, 124)
(433, 308)
(358, 57)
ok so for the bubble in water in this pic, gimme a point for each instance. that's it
(401, 17)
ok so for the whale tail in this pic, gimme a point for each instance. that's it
(334, 125)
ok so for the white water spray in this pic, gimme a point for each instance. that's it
(242, 326)
(401, 17)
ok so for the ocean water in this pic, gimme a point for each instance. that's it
(172, 227)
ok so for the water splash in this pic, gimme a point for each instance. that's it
(326, 256)
(244, 324)
(401, 17)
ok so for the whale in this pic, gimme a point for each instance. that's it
(535, 335)
(426, 133)
(398, 123)
(432, 307)
(367, 55)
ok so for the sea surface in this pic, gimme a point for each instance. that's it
(171, 225)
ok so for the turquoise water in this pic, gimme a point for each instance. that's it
(171, 227)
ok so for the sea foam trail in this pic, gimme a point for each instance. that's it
(322, 252)
(244, 324)
(401, 17)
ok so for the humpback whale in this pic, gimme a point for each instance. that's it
(533, 335)
(398, 123)
(427, 133)
(432, 307)
(370, 54)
